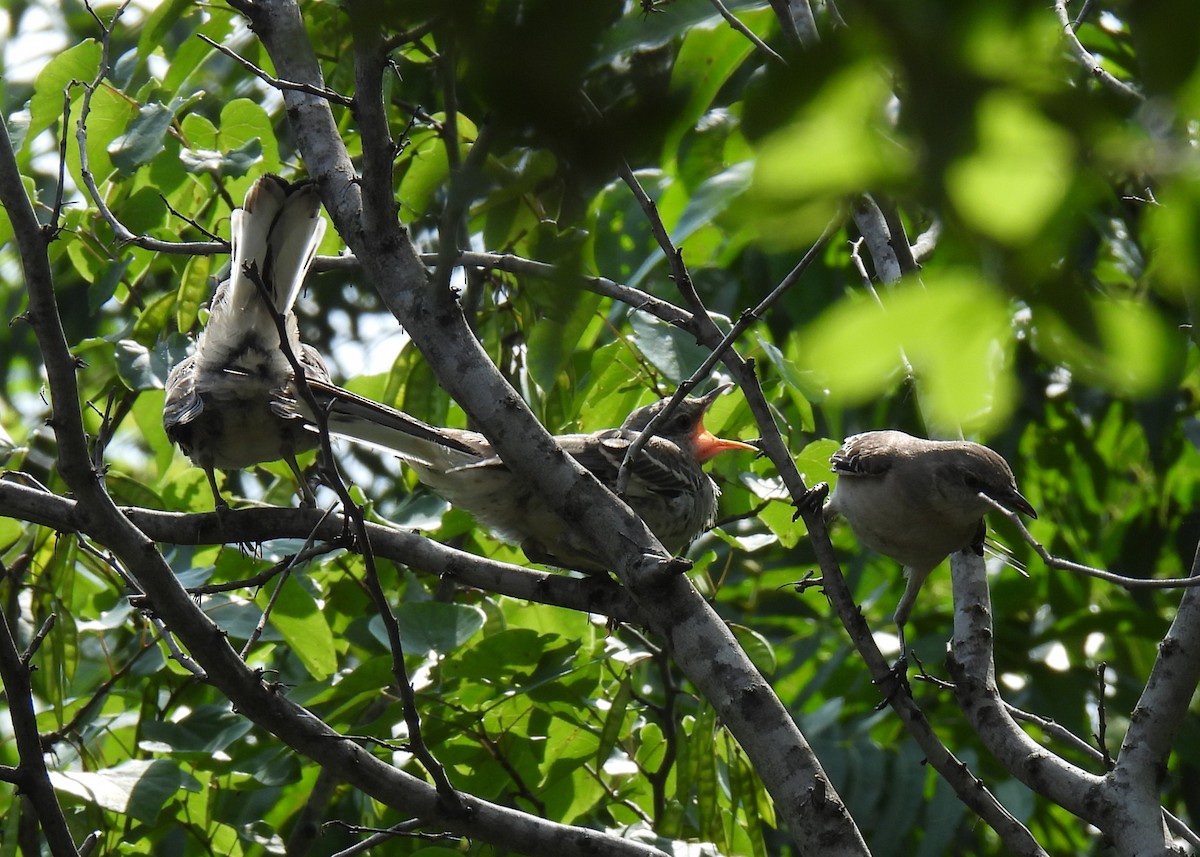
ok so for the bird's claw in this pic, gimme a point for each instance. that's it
(809, 581)
(896, 680)
(812, 500)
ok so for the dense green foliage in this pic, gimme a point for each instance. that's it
(1050, 319)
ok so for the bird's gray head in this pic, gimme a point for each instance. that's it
(972, 469)
(683, 420)
(685, 427)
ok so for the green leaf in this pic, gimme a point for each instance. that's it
(193, 292)
(842, 130)
(296, 616)
(78, 63)
(204, 730)
(1131, 355)
(144, 137)
(135, 365)
(234, 162)
(428, 171)
(246, 128)
(432, 626)
(137, 788)
(672, 351)
(954, 332)
(1018, 175)
(614, 720)
(153, 319)
(757, 647)
(127, 491)
(109, 118)
(708, 56)
(159, 24)
(569, 746)
(556, 337)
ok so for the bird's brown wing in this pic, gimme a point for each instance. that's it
(182, 404)
(657, 469)
(863, 455)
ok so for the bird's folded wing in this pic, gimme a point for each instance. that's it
(656, 468)
(182, 404)
(863, 455)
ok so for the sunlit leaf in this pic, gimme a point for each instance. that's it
(1018, 175)
(137, 787)
(953, 332)
(298, 617)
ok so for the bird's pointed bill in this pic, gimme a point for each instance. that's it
(1018, 503)
(708, 445)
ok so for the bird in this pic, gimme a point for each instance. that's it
(667, 488)
(231, 403)
(917, 501)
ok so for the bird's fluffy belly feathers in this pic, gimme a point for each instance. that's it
(901, 529)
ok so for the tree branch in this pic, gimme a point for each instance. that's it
(790, 770)
(252, 526)
(31, 775)
(1109, 802)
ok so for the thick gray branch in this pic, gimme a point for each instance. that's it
(700, 643)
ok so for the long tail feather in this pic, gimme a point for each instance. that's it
(359, 419)
(278, 229)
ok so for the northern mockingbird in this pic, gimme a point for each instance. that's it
(917, 501)
(231, 403)
(668, 487)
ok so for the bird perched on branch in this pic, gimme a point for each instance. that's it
(235, 402)
(917, 501)
(667, 487)
(230, 405)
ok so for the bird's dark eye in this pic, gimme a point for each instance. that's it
(972, 481)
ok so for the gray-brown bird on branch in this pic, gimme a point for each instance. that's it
(667, 487)
(230, 404)
(235, 403)
(918, 501)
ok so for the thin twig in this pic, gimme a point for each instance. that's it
(36, 642)
(30, 775)
(1085, 58)
(743, 323)
(177, 654)
(319, 91)
(122, 234)
(265, 575)
(56, 212)
(1078, 568)
(1102, 717)
(87, 711)
(354, 514)
(758, 43)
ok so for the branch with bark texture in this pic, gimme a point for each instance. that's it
(161, 593)
(364, 213)
(254, 526)
(1122, 802)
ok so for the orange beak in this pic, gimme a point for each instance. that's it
(707, 445)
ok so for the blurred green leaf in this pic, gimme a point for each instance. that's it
(1132, 356)
(838, 145)
(1018, 175)
(137, 788)
(953, 331)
